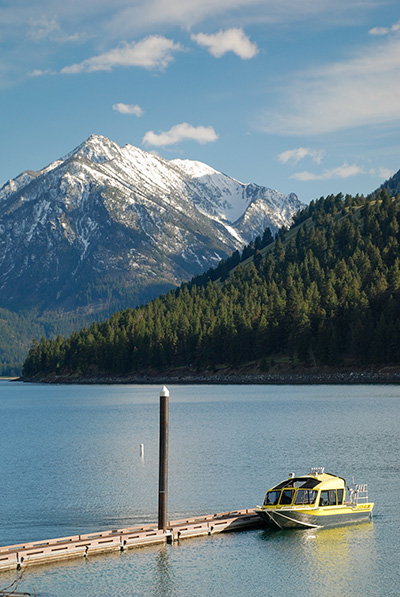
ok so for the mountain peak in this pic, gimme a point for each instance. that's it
(194, 169)
(97, 148)
(110, 221)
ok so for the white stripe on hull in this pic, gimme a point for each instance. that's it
(290, 519)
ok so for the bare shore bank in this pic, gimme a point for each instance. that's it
(294, 375)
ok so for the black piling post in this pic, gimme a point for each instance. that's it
(163, 467)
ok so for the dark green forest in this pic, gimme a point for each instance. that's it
(324, 293)
(18, 328)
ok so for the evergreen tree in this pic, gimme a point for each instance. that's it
(326, 291)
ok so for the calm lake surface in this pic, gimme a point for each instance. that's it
(70, 464)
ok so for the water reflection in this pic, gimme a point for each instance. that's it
(163, 575)
(330, 559)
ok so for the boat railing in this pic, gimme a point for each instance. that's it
(358, 493)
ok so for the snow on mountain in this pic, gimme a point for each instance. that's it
(119, 225)
(214, 192)
(12, 186)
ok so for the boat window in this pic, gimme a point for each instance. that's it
(286, 497)
(272, 498)
(340, 496)
(328, 498)
(323, 499)
(305, 496)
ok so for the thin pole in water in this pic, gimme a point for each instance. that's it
(163, 467)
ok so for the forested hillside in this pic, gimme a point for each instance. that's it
(325, 292)
(18, 329)
(392, 185)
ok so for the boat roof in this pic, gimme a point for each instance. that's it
(317, 480)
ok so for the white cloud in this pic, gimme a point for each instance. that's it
(43, 28)
(49, 29)
(379, 31)
(181, 132)
(295, 155)
(105, 24)
(189, 13)
(385, 30)
(362, 91)
(232, 40)
(128, 109)
(344, 171)
(153, 52)
(382, 172)
(121, 18)
(39, 73)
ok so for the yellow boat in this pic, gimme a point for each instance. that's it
(313, 501)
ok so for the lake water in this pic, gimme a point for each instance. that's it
(70, 464)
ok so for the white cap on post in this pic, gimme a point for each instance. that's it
(164, 391)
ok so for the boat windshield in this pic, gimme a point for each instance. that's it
(305, 496)
(286, 497)
(272, 498)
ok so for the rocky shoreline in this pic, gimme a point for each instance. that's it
(377, 376)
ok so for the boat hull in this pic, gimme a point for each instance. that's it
(290, 518)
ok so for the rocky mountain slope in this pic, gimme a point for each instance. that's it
(109, 225)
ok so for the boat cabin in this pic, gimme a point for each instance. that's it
(317, 489)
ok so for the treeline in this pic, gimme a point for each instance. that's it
(18, 329)
(98, 300)
(392, 185)
(16, 332)
(325, 292)
(225, 266)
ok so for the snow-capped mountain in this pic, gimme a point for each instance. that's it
(111, 224)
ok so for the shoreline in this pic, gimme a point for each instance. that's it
(325, 377)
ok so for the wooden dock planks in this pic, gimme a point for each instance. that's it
(42, 552)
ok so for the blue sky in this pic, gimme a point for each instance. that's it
(298, 95)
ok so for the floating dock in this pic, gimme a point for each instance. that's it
(44, 552)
